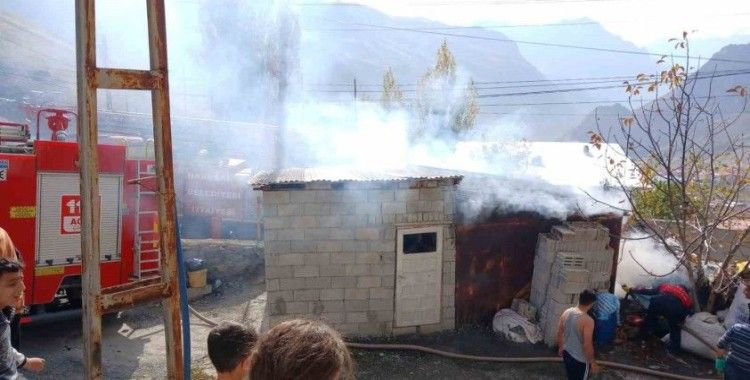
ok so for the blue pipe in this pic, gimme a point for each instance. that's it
(184, 313)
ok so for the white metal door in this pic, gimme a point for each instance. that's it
(419, 269)
(58, 242)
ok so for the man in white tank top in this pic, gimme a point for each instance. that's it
(575, 338)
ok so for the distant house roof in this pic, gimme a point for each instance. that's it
(310, 175)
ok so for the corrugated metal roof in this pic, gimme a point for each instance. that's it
(310, 175)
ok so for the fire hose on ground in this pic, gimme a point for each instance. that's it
(495, 359)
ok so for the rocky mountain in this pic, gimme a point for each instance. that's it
(338, 44)
(561, 62)
(728, 68)
(35, 67)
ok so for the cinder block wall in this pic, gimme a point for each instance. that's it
(331, 252)
(571, 258)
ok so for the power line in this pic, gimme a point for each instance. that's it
(546, 114)
(487, 27)
(611, 102)
(604, 79)
(577, 89)
(481, 88)
(506, 26)
(550, 91)
(538, 43)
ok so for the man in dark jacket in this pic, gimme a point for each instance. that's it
(671, 301)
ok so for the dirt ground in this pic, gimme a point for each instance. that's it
(133, 347)
(476, 341)
(133, 343)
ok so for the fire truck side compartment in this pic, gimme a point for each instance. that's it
(21, 213)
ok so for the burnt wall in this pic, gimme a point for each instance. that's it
(495, 260)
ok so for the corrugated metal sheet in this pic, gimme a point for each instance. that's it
(309, 175)
(495, 260)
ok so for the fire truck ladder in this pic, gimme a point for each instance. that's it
(97, 301)
(13, 132)
(146, 253)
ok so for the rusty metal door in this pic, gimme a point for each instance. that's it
(419, 259)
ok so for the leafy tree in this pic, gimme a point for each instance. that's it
(441, 108)
(690, 153)
(392, 96)
(445, 67)
(654, 203)
(467, 111)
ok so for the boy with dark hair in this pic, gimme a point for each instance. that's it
(229, 347)
(11, 293)
(301, 349)
(575, 338)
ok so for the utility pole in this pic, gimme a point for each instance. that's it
(355, 89)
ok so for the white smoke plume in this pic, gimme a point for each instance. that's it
(245, 61)
(639, 251)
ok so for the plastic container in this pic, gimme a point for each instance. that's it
(605, 329)
(198, 278)
(720, 364)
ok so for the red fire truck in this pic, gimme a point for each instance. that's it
(40, 209)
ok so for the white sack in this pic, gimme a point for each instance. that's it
(707, 326)
(515, 327)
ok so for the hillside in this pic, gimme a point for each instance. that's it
(715, 77)
(223, 78)
(35, 67)
(340, 44)
(558, 62)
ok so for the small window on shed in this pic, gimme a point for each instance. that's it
(420, 242)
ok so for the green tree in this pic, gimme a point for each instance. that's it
(392, 96)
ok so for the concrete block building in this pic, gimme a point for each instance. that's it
(372, 254)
